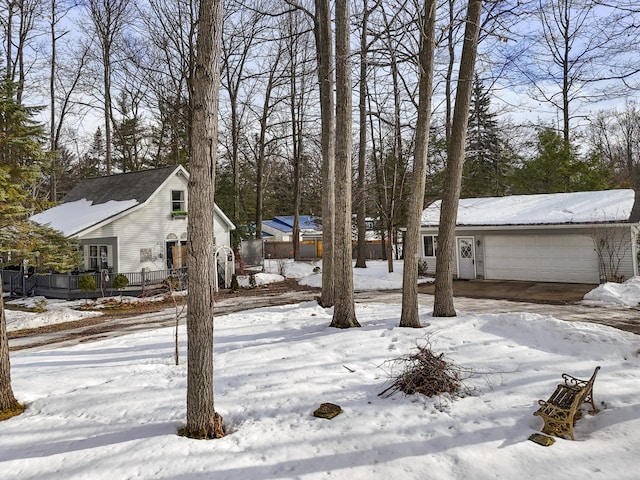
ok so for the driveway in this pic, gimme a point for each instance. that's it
(534, 292)
(560, 300)
(481, 297)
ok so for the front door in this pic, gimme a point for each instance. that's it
(466, 258)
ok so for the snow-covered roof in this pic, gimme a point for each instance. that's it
(542, 209)
(95, 200)
(73, 217)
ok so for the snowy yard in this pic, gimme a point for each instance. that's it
(111, 409)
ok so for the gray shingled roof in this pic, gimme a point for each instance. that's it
(125, 186)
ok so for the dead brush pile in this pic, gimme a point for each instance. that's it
(424, 372)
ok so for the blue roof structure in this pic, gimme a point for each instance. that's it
(285, 223)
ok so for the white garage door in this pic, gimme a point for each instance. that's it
(542, 258)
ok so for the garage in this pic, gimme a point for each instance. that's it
(543, 258)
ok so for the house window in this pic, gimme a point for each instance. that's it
(98, 257)
(177, 201)
(430, 245)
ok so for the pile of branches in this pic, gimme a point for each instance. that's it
(424, 372)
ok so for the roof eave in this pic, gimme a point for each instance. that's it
(522, 226)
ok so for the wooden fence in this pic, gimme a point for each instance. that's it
(312, 250)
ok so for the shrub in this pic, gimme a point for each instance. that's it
(282, 267)
(86, 283)
(423, 267)
(120, 282)
(172, 283)
(40, 305)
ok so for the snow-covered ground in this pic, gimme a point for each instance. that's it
(111, 409)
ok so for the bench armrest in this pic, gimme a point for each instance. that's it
(573, 382)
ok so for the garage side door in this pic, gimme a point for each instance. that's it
(541, 258)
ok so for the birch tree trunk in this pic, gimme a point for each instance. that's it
(322, 30)
(409, 316)
(443, 301)
(202, 419)
(344, 315)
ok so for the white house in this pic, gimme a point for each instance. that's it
(131, 221)
(581, 237)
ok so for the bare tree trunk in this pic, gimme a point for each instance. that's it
(53, 177)
(448, 94)
(322, 30)
(296, 106)
(202, 419)
(108, 114)
(409, 316)
(262, 139)
(361, 256)
(237, 48)
(443, 301)
(7, 399)
(297, 174)
(109, 18)
(344, 315)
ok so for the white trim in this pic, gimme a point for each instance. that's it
(473, 246)
(229, 266)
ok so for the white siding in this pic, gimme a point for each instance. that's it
(148, 228)
(221, 231)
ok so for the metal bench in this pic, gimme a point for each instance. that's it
(562, 409)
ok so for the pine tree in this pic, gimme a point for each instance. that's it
(22, 156)
(91, 160)
(22, 140)
(487, 159)
(557, 168)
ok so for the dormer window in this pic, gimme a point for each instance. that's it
(177, 201)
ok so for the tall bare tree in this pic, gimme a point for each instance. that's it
(18, 21)
(581, 54)
(324, 41)
(443, 302)
(202, 419)
(299, 58)
(361, 198)
(64, 82)
(275, 80)
(409, 316)
(170, 26)
(344, 315)
(242, 27)
(108, 19)
(397, 151)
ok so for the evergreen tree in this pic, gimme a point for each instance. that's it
(22, 156)
(129, 137)
(488, 159)
(557, 168)
(22, 141)
(89, 165)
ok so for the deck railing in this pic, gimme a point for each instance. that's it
(65, 285)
